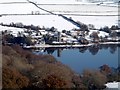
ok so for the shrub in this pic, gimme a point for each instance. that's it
(94, 79)
(53, 81)
(114, 77)
(114, 27)
(12, 79)
(25, 53)
(43, 70)
(77, 80)
(13, 59)
(105, 69)
(95, 36)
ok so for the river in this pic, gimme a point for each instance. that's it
(79, 59)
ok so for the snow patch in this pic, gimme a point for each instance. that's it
(113, 85)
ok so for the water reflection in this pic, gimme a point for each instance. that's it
(92, 49)
(113, 48)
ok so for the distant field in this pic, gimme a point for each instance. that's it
(20, 8)
(81, 9)
(99, 16)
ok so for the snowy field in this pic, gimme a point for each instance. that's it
(78, 11)
(59, 22)
(19, 8)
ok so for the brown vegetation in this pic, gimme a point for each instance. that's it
(94, 79)
(13, 79)
(37, 69)
(42, 70)
(53, 81)
(95, 37)
(13, 59)
(105, 69)
(111, 75)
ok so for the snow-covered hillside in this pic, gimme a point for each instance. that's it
(71, 7)
(74, 11)
(47, 21)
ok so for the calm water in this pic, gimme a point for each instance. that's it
(79, 59)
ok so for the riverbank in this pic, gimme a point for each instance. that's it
(66, 46)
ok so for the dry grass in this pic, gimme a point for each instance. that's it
(43, 70)
(13, 59)
(12, 79)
